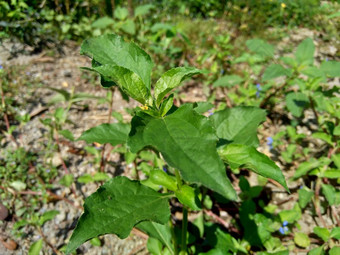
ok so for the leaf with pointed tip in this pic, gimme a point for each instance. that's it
(260, 47)
(114, 134)
(331, 68)
(239, 124)
(305, 52)
(275, 70)
(172, 79)
(166, 105)
(116, 207)
(187, 141)
(240, 155)
(111, 49)
(130, 83)
(296, 103)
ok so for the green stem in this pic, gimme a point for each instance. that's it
(178, 178)
(317, 201)
(184, 230)
(173, 236)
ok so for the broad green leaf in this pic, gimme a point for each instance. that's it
(144, 9)
(305, 167)
(313, 72)
(337, 130)
(335, 233)
(296, 103)
(274, 246)
(329, 193)
(203, 107)
(67, 180)
(47, 216)
(162, 27)
(332, 173)
(239, 124)
(129, 82)
(224, 241)
(18, 185)
(228, 81)
(121, 13)
(111, 49)
(305, 196)
(331, 68)
(115, 208)
(323, 233)
(323, 136)
(247, 212)
(172, 79)
(305, 52)
(100, 177)
(187, 141)
(336, 160)
(317, 251)
(334, 15)
(154, 246)
(291, 62)
(260, 47)
(36, 247)
(334, 251)
(240, 155)
(116, 133)
(158, 231)
(103, 22)
(301, 239)
(274, 71)
(129, 27)
(85, 178)
(67, 134)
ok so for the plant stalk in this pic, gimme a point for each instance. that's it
(173, 236)
(317, 202)
(184, 230)
(178, 178)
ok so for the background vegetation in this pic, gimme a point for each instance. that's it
(279, 55)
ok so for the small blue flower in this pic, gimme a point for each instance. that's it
(283, 230)
(326, 59)
(1, 67)
(48, 170)
(222, 71)
(210, 112)
(165, 169)
(258, 88)
(270, 142)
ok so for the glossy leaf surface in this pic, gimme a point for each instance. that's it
(239, 155)
(172, 79)
(129, 82)
(239, 124)
(187, 141)
(111, 49)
